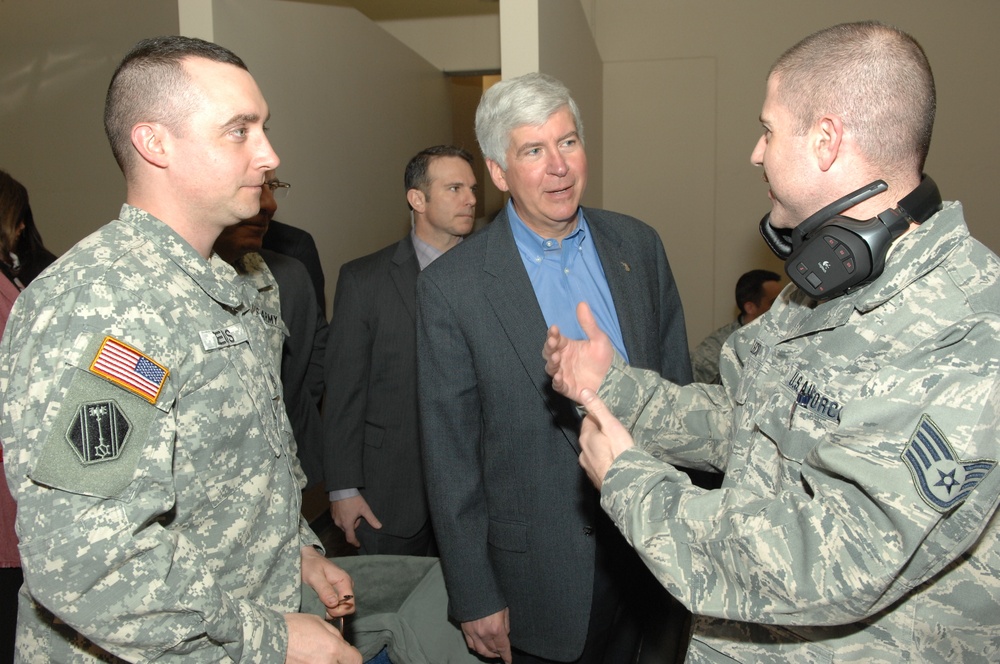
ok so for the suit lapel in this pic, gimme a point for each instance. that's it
(622, 281)
(513, 299)
(404, 272)
(511, 294)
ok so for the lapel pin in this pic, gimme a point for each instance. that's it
(625, 265)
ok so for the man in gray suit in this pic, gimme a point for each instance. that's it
(372, 453)
(529, 559)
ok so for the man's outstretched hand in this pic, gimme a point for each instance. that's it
(576, 365)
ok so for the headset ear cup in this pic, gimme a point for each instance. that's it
(779, 241)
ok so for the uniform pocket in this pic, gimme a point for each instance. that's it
(219, 433)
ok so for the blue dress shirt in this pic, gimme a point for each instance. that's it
(564, 274)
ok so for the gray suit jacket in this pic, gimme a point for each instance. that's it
(370, 411)
(514, 514)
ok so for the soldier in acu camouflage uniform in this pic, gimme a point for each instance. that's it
(858, 434)
(145, 437)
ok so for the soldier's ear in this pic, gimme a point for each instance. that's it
(827, 137)
(150, 140)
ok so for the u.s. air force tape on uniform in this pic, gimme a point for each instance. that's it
(94, 444)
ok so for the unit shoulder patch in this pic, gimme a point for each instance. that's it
(97, 439)
(99, 431)
(942, 479)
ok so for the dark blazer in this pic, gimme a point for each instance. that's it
(514, 514)
(301, 359)
(299, 244)
(370, 410)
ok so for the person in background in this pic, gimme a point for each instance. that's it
(22, 254)
(534, 571)
(755, 292)
(372, 452)
(857, 431)
(292, 241)
(290, 311)
(22, 258)
(146, 444)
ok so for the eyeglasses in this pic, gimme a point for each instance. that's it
(278, 188)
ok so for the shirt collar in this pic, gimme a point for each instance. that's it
(530, 241)
(426, 253)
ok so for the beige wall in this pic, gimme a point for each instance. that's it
(660, 161)
(466, 91)
(568, 52)
(683, 85)
(452, 44)
(56, 59)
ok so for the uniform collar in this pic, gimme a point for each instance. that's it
(216, 277)
(914, 255)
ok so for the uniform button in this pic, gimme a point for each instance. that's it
(588, 531)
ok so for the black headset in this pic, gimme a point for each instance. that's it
(827, 254)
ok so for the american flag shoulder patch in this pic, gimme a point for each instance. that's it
(940, 477)
(130, 369)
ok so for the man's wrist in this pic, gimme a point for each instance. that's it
(343, 494)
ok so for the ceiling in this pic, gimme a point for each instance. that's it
(391, 10)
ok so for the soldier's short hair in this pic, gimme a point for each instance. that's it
(875, 77)
(151, 85)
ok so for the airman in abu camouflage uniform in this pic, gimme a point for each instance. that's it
(705, 356)
(858, 434)
(145, 437)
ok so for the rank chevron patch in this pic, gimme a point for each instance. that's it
(942, 479)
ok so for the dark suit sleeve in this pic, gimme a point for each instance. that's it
(451, 427)
(301, 359)
(675, 358)
(314, 383)
(348, 364)
(311, 392)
